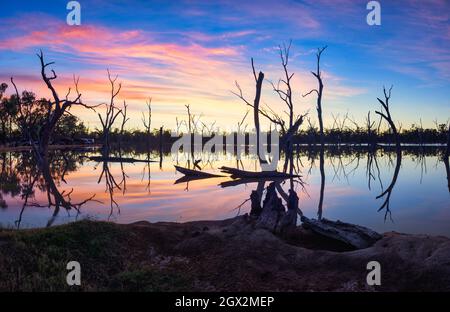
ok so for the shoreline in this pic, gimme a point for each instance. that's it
(51, 147)
(224, 255)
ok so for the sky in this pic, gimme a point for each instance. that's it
(192, 52)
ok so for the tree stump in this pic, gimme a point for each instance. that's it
(289, 220)
(256, 204)
(273, 216)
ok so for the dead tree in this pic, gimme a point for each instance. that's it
(319, 92)
(446, 157)
(386, 115)
(147, 120)
(112, 112)
(339, 126)
(111, 185)
(239, 124)
(189, 123)
(447, 151)
(370, 132)
(285, 92)
(55, 109)
(388, 191)
(287, 132)
(285, 95)
(56, 199)
(322, 182)
(161, 137)
(447, 170)
(272, 211)
(125, 119)
(256, 109)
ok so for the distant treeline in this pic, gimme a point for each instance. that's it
(71, 130)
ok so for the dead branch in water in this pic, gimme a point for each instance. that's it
(237, 173)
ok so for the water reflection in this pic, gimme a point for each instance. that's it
(342, 182)
(22, 175)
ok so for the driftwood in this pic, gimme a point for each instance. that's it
(118, 159)
(356, 236)
(195, 173)
(237, 173)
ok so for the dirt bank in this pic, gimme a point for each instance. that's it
(227, 255)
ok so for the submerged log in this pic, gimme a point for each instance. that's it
(356, 236)
(237, 173)
(195, 173)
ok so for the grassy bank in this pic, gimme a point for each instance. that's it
(228, 255)
(111, 258)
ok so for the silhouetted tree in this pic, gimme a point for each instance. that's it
(285, 95)
(53, 110)
(387, 114)
(319, 92)
(256, 109)
(111, 114)
(147, 120)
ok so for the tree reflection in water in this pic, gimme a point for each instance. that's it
(23, 179)
(21, 175)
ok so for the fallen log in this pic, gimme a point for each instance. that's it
(237, 173)
(356, 236)
(195, 173)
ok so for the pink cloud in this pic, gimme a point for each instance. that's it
(173, 74)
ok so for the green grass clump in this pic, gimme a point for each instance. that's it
(35, 260)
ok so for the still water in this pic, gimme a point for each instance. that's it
(418, 201)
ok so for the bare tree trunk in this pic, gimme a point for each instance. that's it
(322, 181)
(319, 93)
(112, 112)
(448, 142)
(387, 116)
(147, 121)
(259, 82)
(160, 146)
(388, 191)
(447, 170)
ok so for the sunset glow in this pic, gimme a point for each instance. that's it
(192, 53)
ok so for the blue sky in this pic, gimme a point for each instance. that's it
(191, 52)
